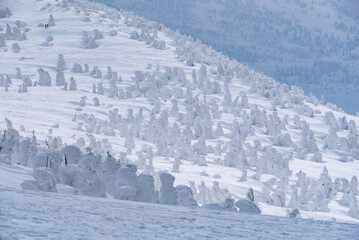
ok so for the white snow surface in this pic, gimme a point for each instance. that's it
(50, 110)
(33, 215)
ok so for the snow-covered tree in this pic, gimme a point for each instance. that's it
(44, 181)
(72, 154)
(8, 33)
(51, 22)
(109, 171)
(184, 196)
(25, 152)
(73, 85)
(96, 101)
(15, 47)
(247, 206)
(88, 42)
(125, 177)
(97, 34)
(76, 68)
(16, 33)
(145, 189)
(167, 193)
(2, 40)
(44, 77)
(61, 63)
(60, 78)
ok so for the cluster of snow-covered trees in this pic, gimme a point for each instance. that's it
(88, 174)
(5, 12)
(17, 32)
(259, 34)
(195, 113)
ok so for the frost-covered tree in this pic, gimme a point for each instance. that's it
(134, 35)
(294, 199)
(51, 22)
(60, 78)
(308, 141)
(15, 47)
(96, 72)
(167, 193)
(83, 101)
(45, 180)
(247, 206)
(100, 89)
(113, 33)
(2, 40)
(86, 68)
(353, 207)
(27, 81)
(76, 68)
(109, 73)
(25, 152)
(16, 33)
(24, 88)
(44, 77)
(18, 73)
(49, 159)
(61, 66)
(5, 12)
(96, 101)
(73, 85)
(109, 172)
(8, 33)
(145, 189)
(95, 186)
(88, 42)
(250, 194)
(72, 154)
(354, 185)
(97, 34)
(125, 177)
(184, 196)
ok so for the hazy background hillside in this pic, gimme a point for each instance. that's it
(313, 44)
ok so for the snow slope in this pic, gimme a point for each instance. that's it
(271, 111)
(312, 44)
(44, 215)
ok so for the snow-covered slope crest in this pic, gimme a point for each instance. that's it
(126, 91)
(313, 44)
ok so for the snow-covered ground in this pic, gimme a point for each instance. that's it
(264, 145)
(34, 215)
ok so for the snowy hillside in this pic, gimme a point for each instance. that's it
(313, 44)
(100, 103)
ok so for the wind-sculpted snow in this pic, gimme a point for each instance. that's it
(49, 216)
(153, 116)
